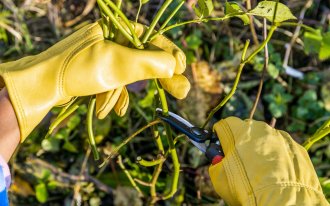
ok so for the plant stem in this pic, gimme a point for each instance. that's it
(115, 21)
(157, 170)
(307, 28)
(199, 21)
(171, 15)
(275, 11)
(162, 97)
(172, 150)
(322, 132)
(152, 163)
(156, 20)
(115, 151)
(91, 138)
(167, 20)
(240, 68)
(252, 27)
(136, 40)
(122, 166)
(118, 4)
(263, 44)
(266, 59)
(65, 113)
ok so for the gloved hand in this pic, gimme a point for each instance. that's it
(263, 166)
(85, 64)
(178, 85)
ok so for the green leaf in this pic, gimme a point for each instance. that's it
(194, 40)
(231, 8)
(266, 9)
(325, 93)
(70, 147)
(148, 100)
(312, 42)
(73, 122)
(273, 71)
(144, 1)
(325, 47)
(51, 144)
(41, 192)
(204, 9)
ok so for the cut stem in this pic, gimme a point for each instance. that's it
(147, 163)
(91, 137)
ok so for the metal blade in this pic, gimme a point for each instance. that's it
(200, 146)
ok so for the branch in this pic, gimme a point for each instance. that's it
(266, 59)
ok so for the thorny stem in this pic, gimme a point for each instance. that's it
(91, 138)
(266, 59)
(122, 166)
(156, 20)
(239, 72)
(115, 151)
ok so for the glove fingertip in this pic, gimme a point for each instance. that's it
(180, 62)
(178, 86)
(122, 103)
(105, 102)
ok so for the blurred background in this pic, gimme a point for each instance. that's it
(60, 170)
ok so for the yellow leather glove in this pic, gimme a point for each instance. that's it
(178, 85)
(80, 65)
(263, 166)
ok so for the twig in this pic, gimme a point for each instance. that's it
(122, 166)
(77, 186)
(115, 151)
(266, 59)
(273, 122)
(252, 27)
(296, 33)
(65, 177)
(143, 183)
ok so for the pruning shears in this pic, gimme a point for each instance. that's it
(206, 141)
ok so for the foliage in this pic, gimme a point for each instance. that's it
(59, 170)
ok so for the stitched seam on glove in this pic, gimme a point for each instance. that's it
(92, 40)
(290, 184)
(240, 166)
(84, 35)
